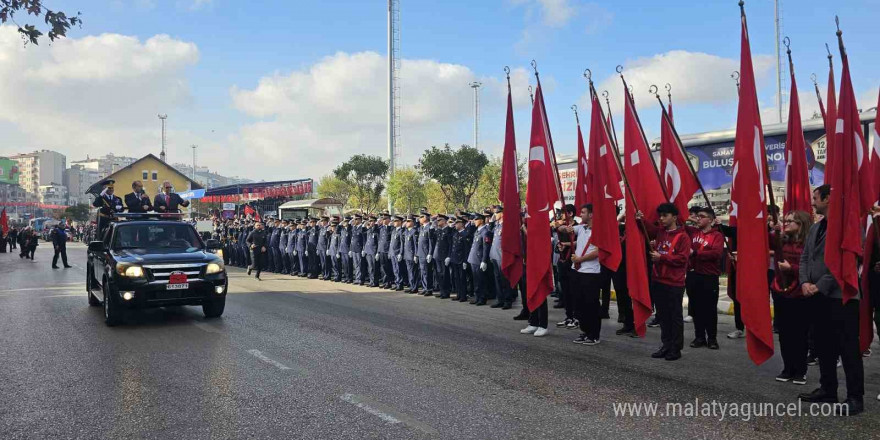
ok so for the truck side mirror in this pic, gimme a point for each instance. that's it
(97, 246)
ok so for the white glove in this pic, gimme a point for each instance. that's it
(376, 257)
(428, 258)
(483, 266)
(327, 253)
(399, 257)
(104, 192)
(338, 256)
(446, 261)
(295, 253)
(464, 266)
(363, 254)
(307, 253)
(415, 259)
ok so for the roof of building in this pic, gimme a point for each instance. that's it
(96, 188)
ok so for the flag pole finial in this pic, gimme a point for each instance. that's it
(619, 70)
(507, 71)
(735, 76)
(813, 78)
(531, 95)
(787, 42)
(742, 9)
(588, 74)
(574, 108)
(535, 67)
(840, 38)
(654, 90)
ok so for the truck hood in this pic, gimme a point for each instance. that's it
(163, 256)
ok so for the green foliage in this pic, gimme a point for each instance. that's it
(59, 22)
(490, 180)
(331, 187)
(457, 171)
(366, 176)
(406, 189)
(78, 213)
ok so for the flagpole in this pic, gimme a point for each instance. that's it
(531, 95)
(668, 88)
(644, 138)
(549, 135)
(610, 118)
(735, 76)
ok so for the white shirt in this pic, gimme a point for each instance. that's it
(583, 235)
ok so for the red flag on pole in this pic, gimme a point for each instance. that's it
(648, 194)
(603, 183)
(852, 193)
(875, 152)
(581, 194)
(798, 196)
(4, 222)
(830, 121)
(679, 180)
(508, 195)
(748, 195)
(541, 195)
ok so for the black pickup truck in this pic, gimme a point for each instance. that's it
(149, 261)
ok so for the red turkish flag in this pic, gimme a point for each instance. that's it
(603, 183)
(798, 196)
(4, 222)
(875, 153)
(648, 194)
(852, 192)
(830, 121)
(581, 194)
(748, 195)
(679, 181)
(508, 195)
(541, 195)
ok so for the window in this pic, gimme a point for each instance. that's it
(155, 175)
(145, 175)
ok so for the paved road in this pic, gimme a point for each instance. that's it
(305, 359)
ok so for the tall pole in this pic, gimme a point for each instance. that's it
(476, 86)
(192, 211)
(393, 116)
(163, 117)
(778, 64)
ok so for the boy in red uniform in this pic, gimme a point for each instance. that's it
(707, 248)
(671, 249)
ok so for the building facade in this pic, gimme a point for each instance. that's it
(52, 194)
(104, 165)
(151, 171)
(78, 179)
(40, 168)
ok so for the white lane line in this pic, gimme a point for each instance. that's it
(208, 328)
(259, 355)
(30, 289)
(387, 414)
(63, 296)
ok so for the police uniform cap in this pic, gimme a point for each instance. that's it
(460, 220)
(499, 208)
(442, 216)
(397, 218)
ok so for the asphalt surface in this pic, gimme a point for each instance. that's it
(293, 358)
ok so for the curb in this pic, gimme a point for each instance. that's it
(725, 307)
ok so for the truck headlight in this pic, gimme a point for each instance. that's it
(129, 271)
(214, 268)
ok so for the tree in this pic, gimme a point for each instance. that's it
(487, 192)
(331, 187)
(406, 189)
(457, 171)
(58, 21)
(78, 213)
(366, 176)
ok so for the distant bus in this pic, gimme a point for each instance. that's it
(38, 223)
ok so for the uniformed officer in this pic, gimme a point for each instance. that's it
(108, 205)
(395, 249)
(386, 273)
(282, 248)
(478, 259)
(332, 251)
(458, 258)
(302, 238)
(321, 248)
(312, 248)
(344, 248)
(506, 295)
(410, 244)
(424, 253)
(356, 249)
(371, 249)
(441, 255)
(274, 234)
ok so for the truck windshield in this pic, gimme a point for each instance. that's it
(159, 236)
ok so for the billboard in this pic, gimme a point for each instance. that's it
(8, 171)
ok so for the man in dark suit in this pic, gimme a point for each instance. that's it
(441, 255)
(108, 205)
(137, 200)
(169, 201)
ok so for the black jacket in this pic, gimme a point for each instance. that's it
(136, 204)
(176, 202)
(258, 239)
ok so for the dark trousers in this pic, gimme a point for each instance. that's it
(60, 250)
(538, 318)
(793, 322)
(425, 271)
(397, 270)
(668, 299)
(303, 263)
(522, 294)
(731, 292)
(605, 291)
(294, 263)
(326, 263)
(568, 283)
(441, 276)
(314, 262)
(285, 262)
(702, 291)
(356, 268)
(411, 274)
(371, 268)
(621, 291)
(479, 282)
(386, 272)
(586, 299)
(459, 279)
(837, 336)
(505, 293)
(345, 267)
(270, 257)
(335, 265)
(258, 260)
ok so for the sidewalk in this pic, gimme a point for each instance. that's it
(725, 304)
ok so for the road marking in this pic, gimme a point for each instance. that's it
(387, 414)
(62, 296)
(259, 355)
(208, 328)
(60, 287)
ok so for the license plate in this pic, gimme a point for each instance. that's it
(180, 286)
(177, 278)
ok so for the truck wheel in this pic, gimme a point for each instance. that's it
(112, 314)
(92, 300)
(214, 308)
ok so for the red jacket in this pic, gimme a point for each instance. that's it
(674, 248)
(707, 249)
(791, 253)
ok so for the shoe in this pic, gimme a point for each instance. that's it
(620, 319)
(713, 344)
(654, 323)
(55, 267)
(496, 305)
(673, 356)
(507, 306)
(736, 334)
(529, 330)
(396, 289)
(472, 301)
(851, 407)
(574, 323)
(249, 272)
(590, 341)
(67, 266)
(563, 323)
(818, 396)
(541, 331)
(698, 343)
(605, 315)
(812, 361)
(427, 293)
(558, 305)
(580, 339)
(785, 376)
(689, 319)
(481, 302)
(866, 353)
(258, 279)
(521, 317)
(799, 380)
(463, 299)
(661, 353)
